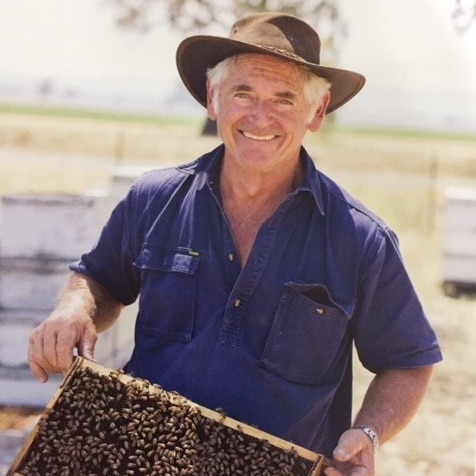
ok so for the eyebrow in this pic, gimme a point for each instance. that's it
(241, 87)
(247, 88)
(286, 95)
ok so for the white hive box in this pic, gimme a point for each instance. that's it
(31, 283)
(51, 226)
(14, 344)
(16, 327)
(124, 176)
(18, 386)
(459, 254)
(41, 236)
(122, 179)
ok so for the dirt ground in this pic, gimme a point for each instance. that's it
(402, 178)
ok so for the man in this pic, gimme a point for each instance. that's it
(257, 273)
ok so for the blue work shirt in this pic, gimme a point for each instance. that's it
(269, 342)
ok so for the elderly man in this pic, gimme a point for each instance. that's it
(256, 272)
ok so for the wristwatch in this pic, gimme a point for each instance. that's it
(371, 434)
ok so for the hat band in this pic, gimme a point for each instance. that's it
(274, 49)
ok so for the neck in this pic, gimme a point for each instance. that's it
(250, 199)
(249, 186)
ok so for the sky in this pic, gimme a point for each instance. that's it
(415, 62)
(79, 39)
(419, 70)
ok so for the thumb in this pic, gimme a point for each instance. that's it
(86, 346)
(349, 445)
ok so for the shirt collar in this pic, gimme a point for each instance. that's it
(209, 165)
(311, 181)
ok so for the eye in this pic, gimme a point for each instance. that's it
(285, 100)
(242, 95)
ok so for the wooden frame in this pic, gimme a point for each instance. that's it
(318, 462)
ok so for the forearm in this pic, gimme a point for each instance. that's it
(84, 309)
(392, 399)
(83, 294)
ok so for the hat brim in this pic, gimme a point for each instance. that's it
(195, 55)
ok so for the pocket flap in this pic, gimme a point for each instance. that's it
(181, 260)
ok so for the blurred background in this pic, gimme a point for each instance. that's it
(417, 56)
(90, 98)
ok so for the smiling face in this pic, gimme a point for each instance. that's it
(262, 113)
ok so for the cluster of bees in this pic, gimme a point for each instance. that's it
(101, 425)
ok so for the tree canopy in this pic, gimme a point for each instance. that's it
(204, 16)
(464, 14)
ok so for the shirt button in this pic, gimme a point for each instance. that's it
(237, 303)
(319, 311)
(231, 256)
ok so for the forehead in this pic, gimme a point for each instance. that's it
(271, 67)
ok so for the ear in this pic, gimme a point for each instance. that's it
(318, 120)
(212, 114)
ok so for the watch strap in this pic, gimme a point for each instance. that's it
(371, 434)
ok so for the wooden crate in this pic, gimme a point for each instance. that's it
(101, 421)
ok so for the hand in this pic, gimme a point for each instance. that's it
(353, 456)
(52, 343)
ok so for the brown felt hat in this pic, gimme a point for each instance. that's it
(272, 33)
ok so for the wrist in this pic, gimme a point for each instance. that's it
(371, 435)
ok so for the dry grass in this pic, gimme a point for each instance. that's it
(401, 178)
(18, 418)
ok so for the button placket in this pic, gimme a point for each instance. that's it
(249, 276)
(246, 284)
(229, 334)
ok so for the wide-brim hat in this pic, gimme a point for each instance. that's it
(273, 33)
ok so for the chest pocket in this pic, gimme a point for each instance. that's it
(168, 292)
(307, 338)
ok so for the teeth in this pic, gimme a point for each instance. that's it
(261, 138)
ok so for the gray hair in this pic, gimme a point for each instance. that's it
(315, 87)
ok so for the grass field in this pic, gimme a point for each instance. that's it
(401, 176)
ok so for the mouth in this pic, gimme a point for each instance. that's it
(265, 138)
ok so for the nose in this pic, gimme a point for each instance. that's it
(261, 113)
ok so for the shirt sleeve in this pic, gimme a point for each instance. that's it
(111, 260)
(391, 329)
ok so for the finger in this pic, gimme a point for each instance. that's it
(48, 349)
(66, 341)
(86, 346)
(36, 369)
(332, 472)
(38, 372)
(37, 353)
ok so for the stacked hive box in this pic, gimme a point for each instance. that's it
(105, 422)
(122, 179)
(41, 236)
(459, 264)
